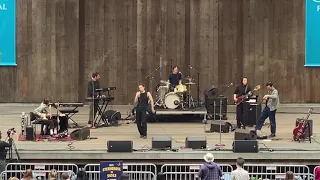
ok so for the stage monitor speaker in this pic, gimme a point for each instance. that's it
(215, 126)
(195, 142)
(120, 146)
(244, 146)
(245, 134)
(161, 142)
(310, 122)
(254, 112)
(112, 117)
(30, 133)
(80, 134)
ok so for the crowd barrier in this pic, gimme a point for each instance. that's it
(275, 171)
(189, 171)
(39, 169)
(141, 171)
(148, 171)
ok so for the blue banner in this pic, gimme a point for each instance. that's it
(8, 33)
(312, 51)
(111, 170)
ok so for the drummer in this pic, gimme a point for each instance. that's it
(175, 78)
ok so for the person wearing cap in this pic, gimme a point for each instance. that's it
(272, 103)
(3, 151)
(210, 170)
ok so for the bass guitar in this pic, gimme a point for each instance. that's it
(242, 98)
(299, 132)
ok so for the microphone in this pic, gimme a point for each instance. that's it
(230, 84)
(190, 67)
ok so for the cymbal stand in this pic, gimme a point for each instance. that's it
(198, 84)
(220, 115)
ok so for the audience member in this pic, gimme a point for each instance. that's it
(65, 176)
(317, 175)
(209, 170)
(13, 178)
(81, 175)
(240, 173)
(53, 175)
(289, 175)
(27, 175)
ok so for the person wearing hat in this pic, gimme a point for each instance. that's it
(272, 103)
(210, 170)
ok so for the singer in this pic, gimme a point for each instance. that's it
(242, 108)
(175, 78)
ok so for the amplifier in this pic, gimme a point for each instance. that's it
(254, 112)
(215, 126)
(209, 102)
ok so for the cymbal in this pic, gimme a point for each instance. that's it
(190, 83)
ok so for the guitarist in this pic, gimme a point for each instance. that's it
(242, 108)
(272, 101)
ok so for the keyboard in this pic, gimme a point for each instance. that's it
(108, 99)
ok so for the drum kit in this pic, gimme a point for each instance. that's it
(177, 97)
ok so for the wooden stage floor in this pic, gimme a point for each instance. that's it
(95, 149)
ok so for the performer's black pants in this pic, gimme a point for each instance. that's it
(141, 120)
(63, 124)
(50, 123)
(242, 114)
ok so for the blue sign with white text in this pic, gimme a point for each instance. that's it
(312, 51)
(111, 170)
(8, 33)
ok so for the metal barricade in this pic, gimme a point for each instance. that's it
(39, 169)
(314, 170)
(3, 175)
(277, 171)
(190, 171)
(137, 171)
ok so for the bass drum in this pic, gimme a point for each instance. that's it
(172, 100)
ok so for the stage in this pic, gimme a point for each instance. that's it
(94, 150)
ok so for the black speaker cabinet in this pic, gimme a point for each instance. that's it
(80, 134)
(215, 126)
(161, 142)
(243, 146)
(210, 104)
(245, 134)
(120, 146)
(30, 133)
(195, 142)
(310, 122)
(254, 112)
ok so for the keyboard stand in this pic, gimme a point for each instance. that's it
(69, 113)
(101, 109)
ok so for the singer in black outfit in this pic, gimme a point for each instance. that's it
(242, 108)
(175, 78)
(93, 84)
(143, 99)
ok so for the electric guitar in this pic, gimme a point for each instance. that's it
(299, 132)
(242, 98)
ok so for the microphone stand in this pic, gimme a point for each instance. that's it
(151, 79)
(220, 113)
(198, 86)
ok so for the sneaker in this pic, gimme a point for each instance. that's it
(272, 135)
(144, 137)
(141, 136)
(89, 125)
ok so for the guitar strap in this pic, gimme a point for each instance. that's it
(245, 90)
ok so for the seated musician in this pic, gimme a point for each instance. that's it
(93, 84)
(175, 78)
(43, 112)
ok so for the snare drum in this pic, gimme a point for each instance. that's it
(180, 88)
(172, 100)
